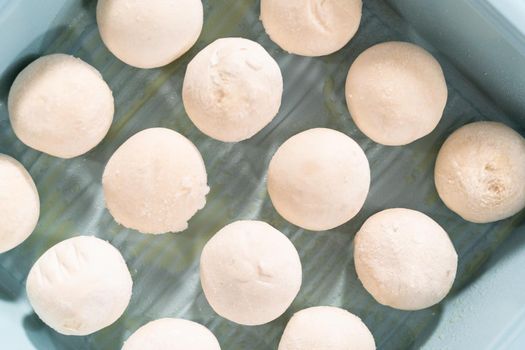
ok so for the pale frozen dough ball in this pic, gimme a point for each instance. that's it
(155, 182)
(19, 203)
(149, 33)
(60, 105)
(319, 179)
(79, 285)
(405, 259)
(232, 89)
(313, 27)
(172, 334)
(480, 172)
(396, 93)
(326, 328)
(250, 272)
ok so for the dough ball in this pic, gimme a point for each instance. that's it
(79, 285)
(319, 179)
(172, 334)
(60, 105)
(480, 172)
(250, 272)
(19, 203)
(326, 327)
(232, 89)
(313, 27)
(405, 259)
(396, 93)
(155, 182)
(149, 34)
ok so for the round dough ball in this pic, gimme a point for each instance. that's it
(149, 34)
(172, 334)
(480, 172)
(232, 89)
(313, 27)
(60, 105)
(326, 327)
(319, 179)
(19, 203)
(79, 285)
(155, 182)
(405, 259)
(396, 93)
(250, 272)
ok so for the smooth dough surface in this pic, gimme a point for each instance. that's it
(250, 272)
(396, 93)
(60, 105)
(79, 285)
(19, 203)
(172, 334)
(322, 187)
(480, 172)
(405, 259)
(155, 182)
(232, 89)
(149, 34)
(311, 27)
(326, 328)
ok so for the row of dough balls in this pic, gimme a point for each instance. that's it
(232, 89)
(149, 34)
(479, 174)
(321, 327)
(250, 274)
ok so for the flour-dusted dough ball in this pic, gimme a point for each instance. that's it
(19, 203)
(480, 172)
(326, 328)
(172, 334)
(155, 182)
(232, 89)
(149, 33)
(319, 179)
(250, 272)
(396, 93)
(79, 285)
(311, 27)
(60, 105)
(405, 259)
